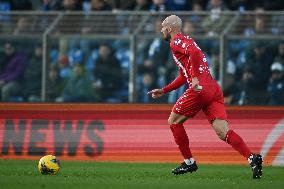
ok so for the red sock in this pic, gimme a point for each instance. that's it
(181, 139)
(237, 143)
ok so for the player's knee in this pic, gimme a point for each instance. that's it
(175, 120)
(221, 128)
(221, 135)
(171, 121)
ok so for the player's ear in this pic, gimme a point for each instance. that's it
(169, 29)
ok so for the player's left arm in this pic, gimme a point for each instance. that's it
(196, 56)
(178, 82)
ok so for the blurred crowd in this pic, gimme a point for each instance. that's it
(137, 5)
(254, 71)
(69, 77)
(92, 70)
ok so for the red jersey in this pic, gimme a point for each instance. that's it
(190, 60)
(192, 63)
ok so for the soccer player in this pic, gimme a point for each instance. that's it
(203, 93)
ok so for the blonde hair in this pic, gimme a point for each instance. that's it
(173, 21)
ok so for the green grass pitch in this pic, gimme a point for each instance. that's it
(23, 174)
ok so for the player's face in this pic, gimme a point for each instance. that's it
(165, 30)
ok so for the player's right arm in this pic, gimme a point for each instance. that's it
(179, 81)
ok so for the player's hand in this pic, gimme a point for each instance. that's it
(156, 93)
(195, 84)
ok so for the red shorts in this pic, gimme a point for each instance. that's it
(210, 99)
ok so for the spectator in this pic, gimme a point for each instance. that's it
(259, 24)
(148, 83)
(234, 72)
(230, 69)
(12, 72)
(278, 24)
(148, 66)
(216, 6)
(215, 21)
(33, 76)
(97, 23)
(280, 54)
(215, 64)
(241, 5)
(230, 74)
(230, 86)
(196, 6)
(152, 68)
(78, 87)
(188, 28)
(260, 61)
(57, 5)
(36, 4)
(72, 5)
(64, 66)
(158, 52)
(4, 6)
(55, 84)
(108, 74)
(275, 86)
(159, 6)
(21, 5)
(196, 19)
(52, 5)
(100, 5)
(120, 4)
(5, 58)
(142, 5)
(23, 26)
(247, 94)
(230, 95)
(272, 5)
(158, 49)
(179, 5)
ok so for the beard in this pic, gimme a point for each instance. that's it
(167, 37)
